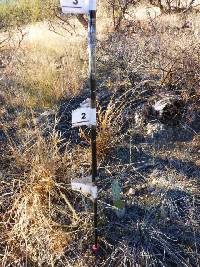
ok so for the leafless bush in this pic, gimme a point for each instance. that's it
(169, 6)
(150, 57)
(118, 9)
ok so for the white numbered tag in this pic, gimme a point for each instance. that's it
(83, 116)
(77, 6)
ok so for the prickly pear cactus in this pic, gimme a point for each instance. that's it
(117, 201)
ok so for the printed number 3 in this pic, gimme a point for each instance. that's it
(83, 116)
(75, 2)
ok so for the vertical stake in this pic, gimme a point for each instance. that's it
(92, 81)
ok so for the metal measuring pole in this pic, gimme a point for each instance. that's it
(92, 82)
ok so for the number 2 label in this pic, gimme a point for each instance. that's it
(83, 116)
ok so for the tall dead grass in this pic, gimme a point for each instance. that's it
(110, 122)
(48, 67)
(32, 230)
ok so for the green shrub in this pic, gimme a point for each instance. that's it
(20, 12)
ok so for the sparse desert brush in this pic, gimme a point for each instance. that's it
(146, 53)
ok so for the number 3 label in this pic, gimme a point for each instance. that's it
(77, 6)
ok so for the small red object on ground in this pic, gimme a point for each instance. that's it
(95, 248)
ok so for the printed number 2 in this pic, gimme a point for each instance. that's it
(75, 2)
(83, 116)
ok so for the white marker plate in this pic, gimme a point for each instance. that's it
(83, 116)
(77, 6)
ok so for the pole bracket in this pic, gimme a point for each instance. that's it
(85, 186)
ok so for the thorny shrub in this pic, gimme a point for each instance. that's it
(143, 56)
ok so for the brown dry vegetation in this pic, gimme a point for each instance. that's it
(44, 77)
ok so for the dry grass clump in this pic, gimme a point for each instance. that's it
(107, 130)
(33, 232)
(110, 122)
(34, 235)
(47, 79)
